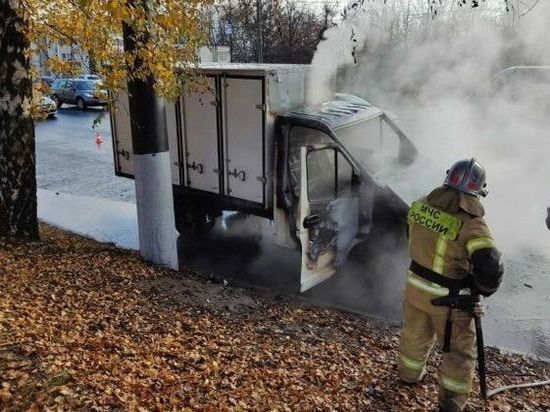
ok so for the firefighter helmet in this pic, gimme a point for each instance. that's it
(467, 176)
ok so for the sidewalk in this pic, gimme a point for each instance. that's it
(100, 219)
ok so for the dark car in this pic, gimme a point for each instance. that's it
(81, 92)
(48, 80)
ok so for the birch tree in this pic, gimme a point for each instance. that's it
(17, 159)
(168, 56)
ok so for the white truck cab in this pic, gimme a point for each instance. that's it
(251, 143)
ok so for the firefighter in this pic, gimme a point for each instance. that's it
(452, 251)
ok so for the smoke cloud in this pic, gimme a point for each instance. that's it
(438, 76)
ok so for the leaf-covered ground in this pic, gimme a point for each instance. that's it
(84, 325)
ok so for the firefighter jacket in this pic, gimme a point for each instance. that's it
(449, 237)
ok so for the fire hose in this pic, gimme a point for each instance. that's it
(520, 385)
(468, 303)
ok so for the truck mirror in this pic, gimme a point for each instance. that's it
(311, 221)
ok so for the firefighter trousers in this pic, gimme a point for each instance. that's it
(420, 328)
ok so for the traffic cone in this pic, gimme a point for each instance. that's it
(98, 139)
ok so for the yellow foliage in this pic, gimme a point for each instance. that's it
(169, 53)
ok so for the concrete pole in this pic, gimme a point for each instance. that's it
(154, 197)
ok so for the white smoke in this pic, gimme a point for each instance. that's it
(436, 74)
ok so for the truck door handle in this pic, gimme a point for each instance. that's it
(196, 167)
(124, 153)
(238, 175)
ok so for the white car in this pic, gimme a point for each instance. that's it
(47, 106)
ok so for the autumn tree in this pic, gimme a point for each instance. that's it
(291, 29)
(166, 56)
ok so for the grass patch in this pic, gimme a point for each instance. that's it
(60, 379)
(28, 392)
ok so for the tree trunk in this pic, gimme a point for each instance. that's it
(17, 149)
(152, 174)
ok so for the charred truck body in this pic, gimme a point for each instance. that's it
(250, 143)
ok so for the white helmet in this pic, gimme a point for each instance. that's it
(467, 176)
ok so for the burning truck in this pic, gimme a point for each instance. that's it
(253, 143)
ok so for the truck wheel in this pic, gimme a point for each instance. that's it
(80, 104)
(376, 244)
(194, 222)
(361, 253)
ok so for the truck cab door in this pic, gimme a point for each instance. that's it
(328, 214)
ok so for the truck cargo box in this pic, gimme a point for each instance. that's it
(221, 139)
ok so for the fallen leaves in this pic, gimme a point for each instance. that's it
(84, 325)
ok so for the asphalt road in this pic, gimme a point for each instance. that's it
(68, 159)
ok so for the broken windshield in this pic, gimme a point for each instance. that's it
(372, 143)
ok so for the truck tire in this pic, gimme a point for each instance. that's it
(362, 252)
(376, 244)
(194, 221)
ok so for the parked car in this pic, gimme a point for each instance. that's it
(527, 83)
(89, 77)
(48, 80)
(81, 92)
(46, 107)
